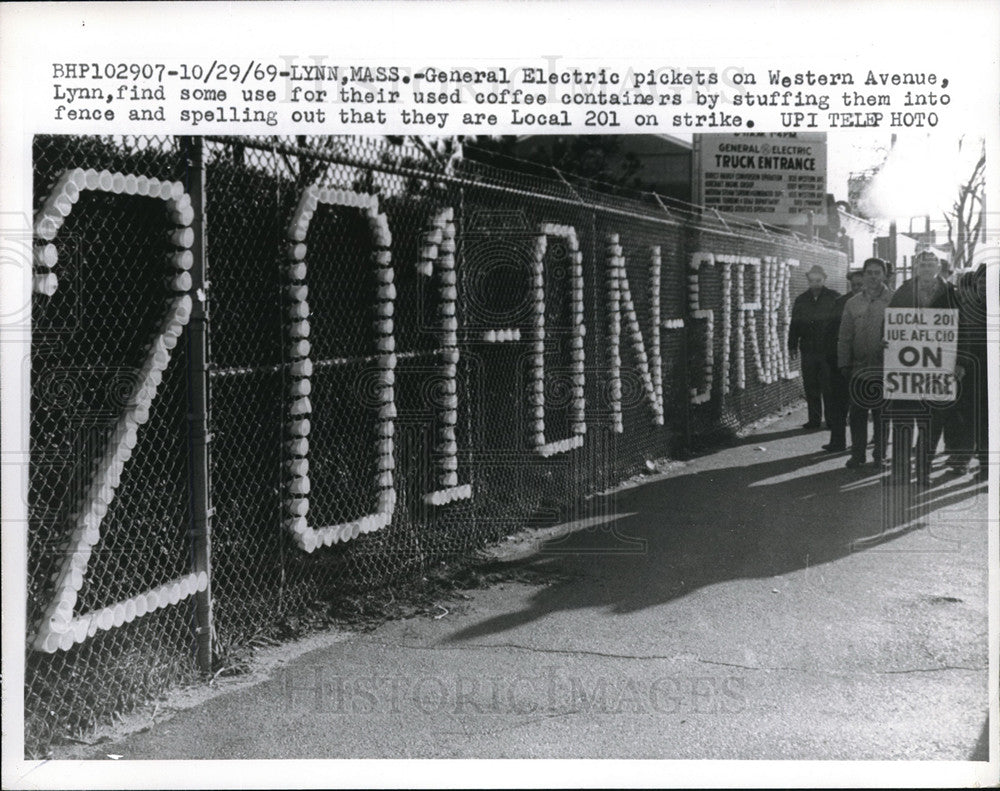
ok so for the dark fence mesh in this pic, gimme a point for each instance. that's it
(496, 410)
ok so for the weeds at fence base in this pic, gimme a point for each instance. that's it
(104, 693)
(366, 610)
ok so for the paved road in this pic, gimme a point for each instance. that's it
(759, 602)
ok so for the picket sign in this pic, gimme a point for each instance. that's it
(921, 354)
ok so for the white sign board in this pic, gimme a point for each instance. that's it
(921, 347)
(773, 178)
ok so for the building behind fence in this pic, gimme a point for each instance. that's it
(270, 372)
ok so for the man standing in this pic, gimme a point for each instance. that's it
(812, 315)
(839, 398)
(860, 354)
(974, 387)
(925, 290)
(965, 434)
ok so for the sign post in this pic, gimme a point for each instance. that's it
(920, 354)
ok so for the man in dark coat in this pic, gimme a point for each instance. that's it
(969, 435)
(839, 392)
(808, 332)
(925, 290)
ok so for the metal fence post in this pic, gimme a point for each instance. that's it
(688, 246)
(199, 437)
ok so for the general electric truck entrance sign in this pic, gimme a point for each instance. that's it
(920, 354)
(774, 178)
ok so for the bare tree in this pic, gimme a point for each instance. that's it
(965, 218)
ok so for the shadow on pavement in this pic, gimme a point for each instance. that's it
(950, 493)
(681, 533)
(981, 752)
(821, 437)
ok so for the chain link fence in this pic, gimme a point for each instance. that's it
(407, 359)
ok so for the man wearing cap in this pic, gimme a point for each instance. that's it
(860, 354)
(925, 290)
(812, 314)
(839, 395)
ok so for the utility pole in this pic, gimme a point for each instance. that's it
(892, 222)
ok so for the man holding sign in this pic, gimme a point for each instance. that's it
(920, 381)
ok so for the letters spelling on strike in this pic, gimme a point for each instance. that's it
(921, 347)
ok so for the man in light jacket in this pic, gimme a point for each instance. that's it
(860, 354)
(839, 393)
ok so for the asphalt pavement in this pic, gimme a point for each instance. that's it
(759, 602)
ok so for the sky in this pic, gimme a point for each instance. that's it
(921, 175)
